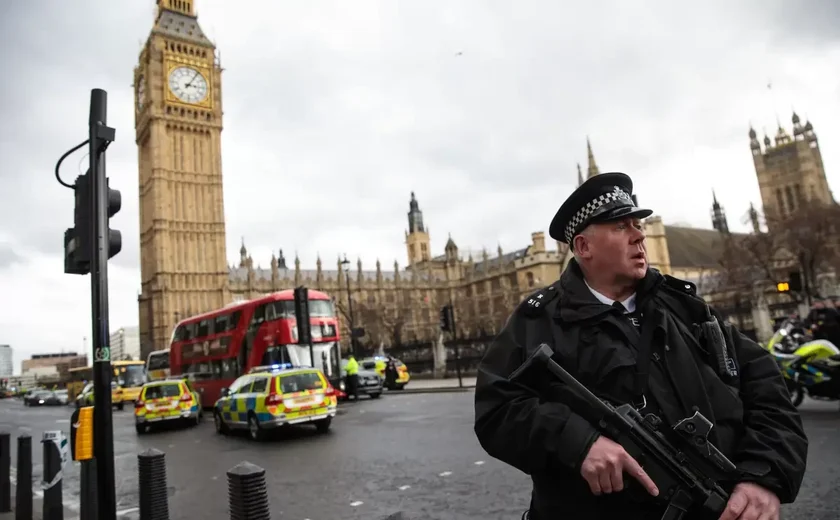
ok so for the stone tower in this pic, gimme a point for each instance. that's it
(718, 215)
(178, 123)
(417, 237)
(790, 171)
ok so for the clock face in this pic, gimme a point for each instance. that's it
(188, 84)
(141, 92)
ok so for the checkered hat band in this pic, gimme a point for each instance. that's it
(591, 207)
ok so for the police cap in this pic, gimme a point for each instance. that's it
(603, 197)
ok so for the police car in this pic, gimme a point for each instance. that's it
(166, 401)
(272, 396)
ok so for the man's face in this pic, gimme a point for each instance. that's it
(616, 248)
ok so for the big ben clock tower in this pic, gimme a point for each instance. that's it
(178, 123)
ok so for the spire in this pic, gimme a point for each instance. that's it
(415, 216)
(593, 168)
(580, 175)
(186, 7)
(718, 215)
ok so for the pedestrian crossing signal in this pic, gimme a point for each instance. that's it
(783, 287)
(81, 433)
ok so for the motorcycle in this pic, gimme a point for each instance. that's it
(810, 366)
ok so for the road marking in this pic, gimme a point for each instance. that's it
(171, 445)
(127, 511)
(445, 474)
(403, 488)
(479, 462)
(356, 503)
(62, 420)
(197, 441)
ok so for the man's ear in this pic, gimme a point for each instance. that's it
(583, 248)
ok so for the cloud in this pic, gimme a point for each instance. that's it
(335, 111)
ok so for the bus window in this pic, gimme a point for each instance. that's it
(221, 324)
(259, 316)
(320, 308)
(203, 328)
(275, 355)
(132, 376)
(234, 320)
(230, 368)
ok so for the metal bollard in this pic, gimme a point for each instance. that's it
(5, 472)
(53, 504)
(247, 493)
(154, 501)
(87, 492)
(23, 487)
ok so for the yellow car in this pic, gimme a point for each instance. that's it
(86, 397)
(273, 396)
(167, 401)
(378, 364)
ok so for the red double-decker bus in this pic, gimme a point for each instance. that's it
(214, 348)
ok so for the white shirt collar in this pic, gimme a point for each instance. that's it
(629, 303)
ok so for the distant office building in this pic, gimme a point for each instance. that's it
(6, 353)
(125, 343)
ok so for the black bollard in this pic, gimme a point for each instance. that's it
(154, 501)
(247, 493)
(5, 472)
(87, 492)
(23, 487)
(53, 505)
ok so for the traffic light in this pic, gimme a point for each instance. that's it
(446, 318)
(114, 201)
(795, 281)
(77, 240)
(783, 287)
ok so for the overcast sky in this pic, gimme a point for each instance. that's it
(336, 111)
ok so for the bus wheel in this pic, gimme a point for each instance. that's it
(254, 429)
(120, 406)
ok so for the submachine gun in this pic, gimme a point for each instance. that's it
(685, 466)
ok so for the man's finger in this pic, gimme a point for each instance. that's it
(735, 506)
(592, 480)
(606, 483)
(617, 478)
(633, 469)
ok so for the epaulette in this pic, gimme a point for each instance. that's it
(535, 303)
(682, 286)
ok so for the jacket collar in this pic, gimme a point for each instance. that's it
(578, 303)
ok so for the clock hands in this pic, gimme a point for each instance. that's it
(189, 83)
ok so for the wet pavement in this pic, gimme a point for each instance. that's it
(411, 453)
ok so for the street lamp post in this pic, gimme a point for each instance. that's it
(346, 265)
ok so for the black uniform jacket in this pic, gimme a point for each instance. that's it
(546, 435)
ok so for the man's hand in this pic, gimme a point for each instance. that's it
(751, 502)
(605, 464)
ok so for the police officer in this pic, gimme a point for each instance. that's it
(631, 335)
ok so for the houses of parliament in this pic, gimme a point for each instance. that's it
(184, 267)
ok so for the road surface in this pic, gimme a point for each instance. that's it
(414, 454)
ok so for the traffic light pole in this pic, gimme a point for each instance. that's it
(103, 433)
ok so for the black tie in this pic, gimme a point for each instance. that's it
(620, 306)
